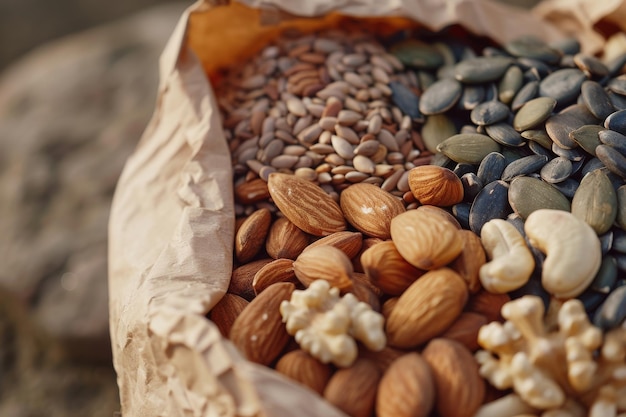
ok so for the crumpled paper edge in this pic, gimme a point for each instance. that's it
(171, 231)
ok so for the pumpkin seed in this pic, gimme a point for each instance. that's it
(556, 170)
(438, 127)
(490, 203)
(596, 99)
(527, 194)
(563, 85)
(616, 121)
(489, 112)
(526, 93)
(504, 134)
(595, 201)
(533, 112)
(523, 166)
(612, 159)
(531, 47)
(468, 148)
(587, 137)
(491, 167)
(482, 69)
(440, 96)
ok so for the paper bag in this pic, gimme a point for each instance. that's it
(172, 219)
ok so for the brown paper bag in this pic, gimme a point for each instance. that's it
(172, 220)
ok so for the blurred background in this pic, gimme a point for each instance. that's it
(77, 87)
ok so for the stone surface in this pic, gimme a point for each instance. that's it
(71, 112)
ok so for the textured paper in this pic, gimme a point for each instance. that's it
(172, 220)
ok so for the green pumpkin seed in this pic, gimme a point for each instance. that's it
(618, 85)
(596, 99)
(417, 54)
(556, 170)
(531, 47)
(526, 93)
(524, 166)
(437, 128)
(472, 96)
(533, 113)
(612, 159)
(591, 65)
(587, 137)
(563, 85)
(440, 97)
(504, 134)
(613, 139)
(595, 201)
(616, 121)
(527, 194)
(511, 82)
(468, 148)
(489, 112)
(539, 136)
(481, 69)
(560, 125)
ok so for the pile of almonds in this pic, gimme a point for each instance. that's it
(370, 245)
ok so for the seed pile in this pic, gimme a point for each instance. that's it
(334, 135)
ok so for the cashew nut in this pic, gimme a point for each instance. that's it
(572, 248)
(511, 262)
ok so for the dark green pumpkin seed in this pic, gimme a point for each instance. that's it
(527, 194)
(440, 96)
(524, 166)
(563, 85)
(595, 201)
(612, 159)
(504, 134)
(490, 203)
(596, 99)
(616, 121)
(482, 69)
(556, 170)
(491, 167)
(587, 137)
(489, 112)
(468, 148)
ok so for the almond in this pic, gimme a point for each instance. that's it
(303, 368)
(459, 387)
(438, 211)
(427, 308)
(472, 257)
(279, 270)
(226, 311)
(259, 332)
(382, 358)
(406, 389)
(349, 242)
(364, 292)
(305, 204)
(465, 329)
(388, 306)
(424, 240)
(285, 240)
(243, 276)
(324, 262)
(387, 269)
(251, 192)
(370, 209)
(353, 389)
(488, 304)
(250, 236)
(435, 185)
(367, 243)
